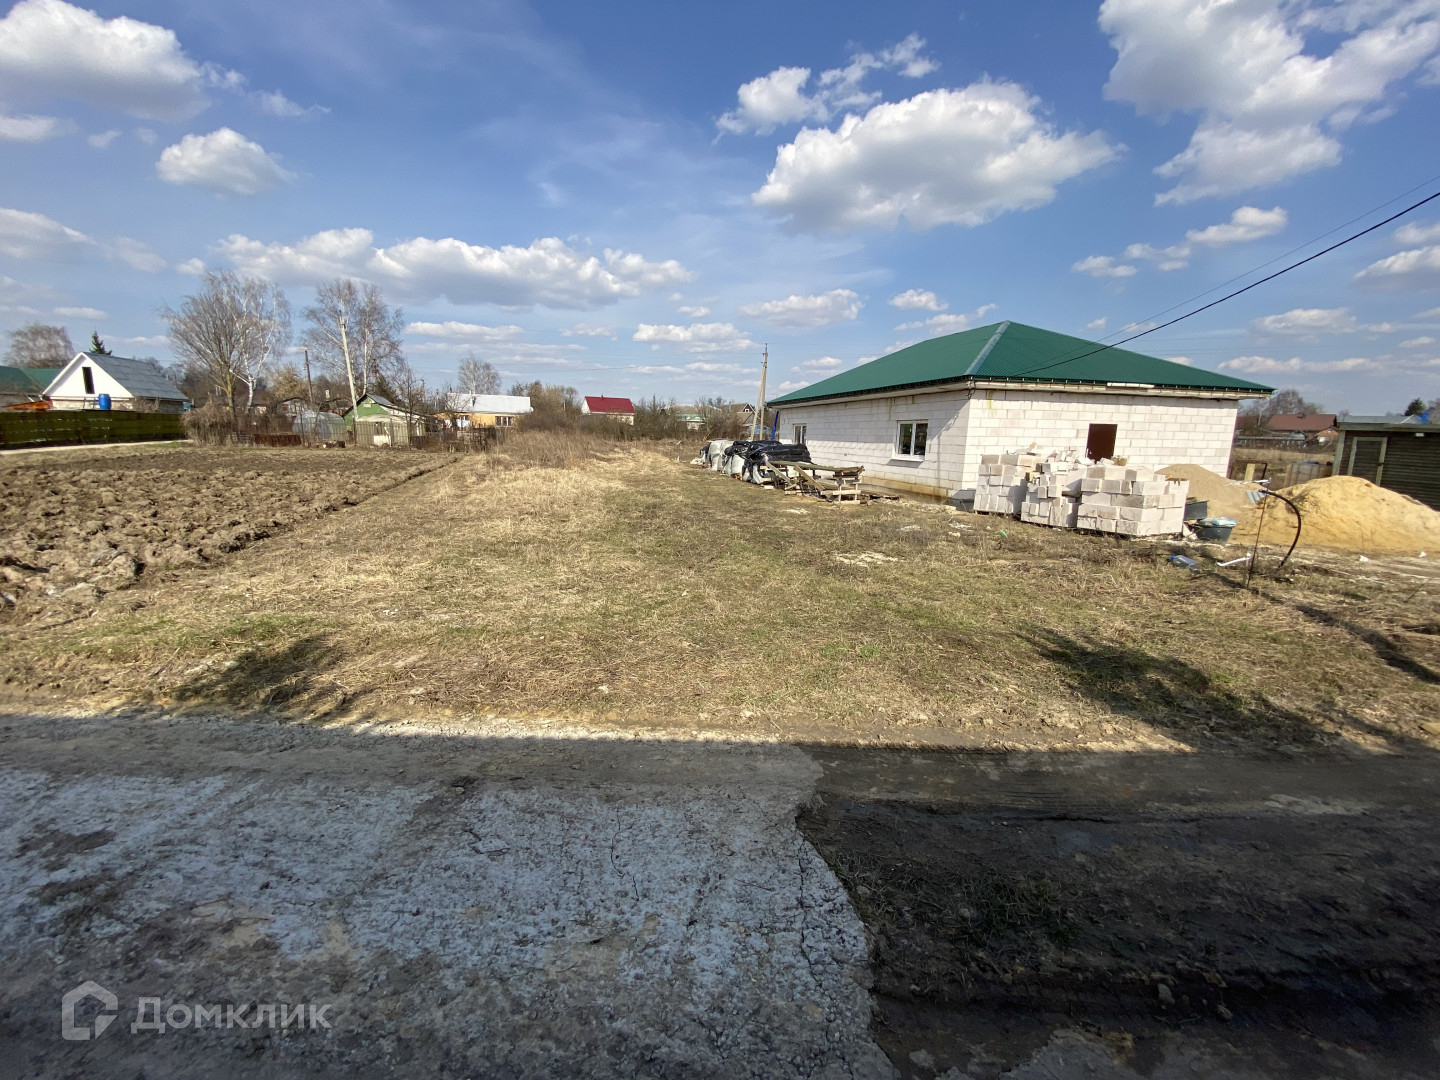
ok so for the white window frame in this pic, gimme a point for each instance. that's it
(906, 451)
(800, 433)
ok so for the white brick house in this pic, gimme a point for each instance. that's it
(920, 419)
(136, 385)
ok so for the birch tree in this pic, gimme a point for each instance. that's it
(38, 345)
(477, 376)
(354, 333)
(230, 330)
(265, 315)
(208, 333)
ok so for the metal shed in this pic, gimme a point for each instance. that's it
(1402, 455)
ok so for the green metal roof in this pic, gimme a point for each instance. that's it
(1014, 352)
(16, 380)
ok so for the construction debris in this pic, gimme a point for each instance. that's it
(785, 467)
(1067, 492)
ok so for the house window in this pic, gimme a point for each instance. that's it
(911, 440)
(1100, 442)
(800, 434)
(89, 377)
(504, 421)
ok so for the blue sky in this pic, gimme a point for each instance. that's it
(634, 198)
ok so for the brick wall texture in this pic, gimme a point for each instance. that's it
(1151, 431)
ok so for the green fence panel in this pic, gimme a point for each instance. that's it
(61, 427)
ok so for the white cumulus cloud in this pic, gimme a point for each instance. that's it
(33, 128)
(1268, 365)
(941, 157)
(1414, 235)
(696, 338)
(1246, 223)
(224, 162)
(35, 237)
(1415, 269)
(51, 49)
(1269, 109)
(807, 312)
(918, 300)
(451, 330)
(821, 363)
(1308, 322)
(1104, 266)
(274, 103)
(81, 313)
(548, 272)
(780, 97)
(949, 322)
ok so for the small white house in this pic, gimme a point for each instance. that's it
(133, 385)
(486, 410)
(920, 419)
(613, 408)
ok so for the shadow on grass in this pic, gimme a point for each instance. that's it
(1384, 646)
(275, 678)
(1180, 698)
(1165, 691)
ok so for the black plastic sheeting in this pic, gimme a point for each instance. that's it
(754, 454)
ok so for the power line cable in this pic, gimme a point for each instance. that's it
(1282, 255)
(1237, 292)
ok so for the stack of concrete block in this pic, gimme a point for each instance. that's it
(1003, 480)
(1053, 494)
(1130, 502)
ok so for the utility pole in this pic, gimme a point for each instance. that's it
(309, 387)
(758, 428)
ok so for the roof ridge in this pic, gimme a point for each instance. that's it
(980, 357)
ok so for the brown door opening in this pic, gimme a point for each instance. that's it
(1100, 443)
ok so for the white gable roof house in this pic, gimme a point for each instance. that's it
(133, 385)
(489, 404)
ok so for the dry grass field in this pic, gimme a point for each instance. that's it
(572, 578)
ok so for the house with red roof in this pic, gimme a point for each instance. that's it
(615, 408)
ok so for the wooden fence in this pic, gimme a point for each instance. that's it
(67, 427)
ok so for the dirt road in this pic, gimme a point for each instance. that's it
(542, 902)
(466, 906)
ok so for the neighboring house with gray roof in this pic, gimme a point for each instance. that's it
(135, 385)
(920, 419)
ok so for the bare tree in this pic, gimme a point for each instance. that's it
(354, 333)
(37, 345)
(209, 332)
(478, 376)
(265, 315)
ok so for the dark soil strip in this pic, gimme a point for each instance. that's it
(1291, 906)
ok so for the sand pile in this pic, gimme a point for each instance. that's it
(1225, 499)
(1350, 513)
(1342, 512)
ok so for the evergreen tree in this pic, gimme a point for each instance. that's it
(97, 346)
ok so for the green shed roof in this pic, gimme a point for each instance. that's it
(1014, 352)
(16, 380)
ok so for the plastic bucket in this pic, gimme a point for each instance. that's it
(1217, 529)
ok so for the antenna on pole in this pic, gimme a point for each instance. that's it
(757, 429)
